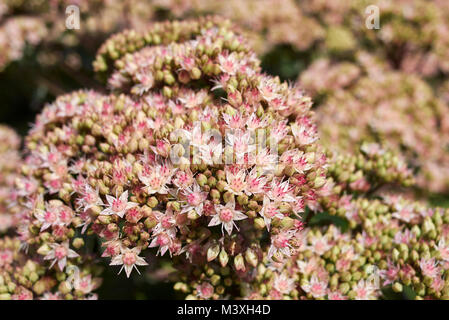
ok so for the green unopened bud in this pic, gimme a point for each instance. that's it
(44, 249)
(259, 223)
(78, 243)
(169, 79)
(251, 257)
(167, 92)
(344, 287)
(416, 231)
(64, 287)
(395, 254)
(221, 185)
(213, 252)
(397, 287)
(319, 182)
(414, 255)
(223, 258)
(346, 276)
(239, 263)
(150, 222)
(228, 197)
(242, 199)
(215, 280)
(287, 222)
(104, 219)
(201, 179)
(195, 73)
(152, 202)
(192, 215)
(427, 225)
(215, 194)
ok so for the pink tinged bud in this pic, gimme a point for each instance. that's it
(162, 148)
(205, 290)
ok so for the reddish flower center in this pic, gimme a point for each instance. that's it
(60, 252)
(129, 258)
(194, 199)
(226, 215)
(50, 216)
(118, 205)
(166, 222)
(281, 241)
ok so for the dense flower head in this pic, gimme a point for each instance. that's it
(368, 169)
(196, 154)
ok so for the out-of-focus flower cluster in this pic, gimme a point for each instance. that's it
(267, 22)
(196, 154)
(9, 170)
(413, 36)
(15, 34)
(370, 102)
(25, 277)
(43, 23)
(264, 22)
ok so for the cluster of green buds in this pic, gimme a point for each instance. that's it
(368, 170)
(388, 248)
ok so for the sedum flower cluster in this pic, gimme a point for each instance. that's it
(327, 39)
(379, 246)
(413, 34)
(194, 155)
